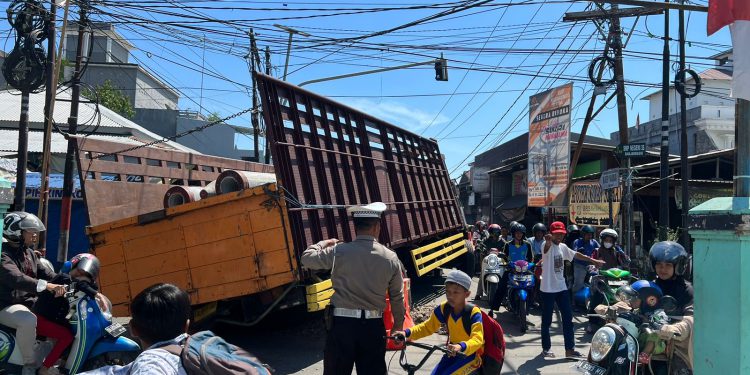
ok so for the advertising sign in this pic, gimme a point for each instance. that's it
(549, 145)
(520, 181)
(589, 205)
(698, 195)
(610, 179)
(480, 180)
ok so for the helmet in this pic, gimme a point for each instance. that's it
(573, 228)
(494, 229)
(557, 227)
(588, 229)
(18, 221)
(649, 293)
(87, 263)
(626, 294)
(611, 233)
(539, 227)
(518, 228)
(481, 225)
(669, 252)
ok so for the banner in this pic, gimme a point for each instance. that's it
(698, 195)
(480, 180)
(589, 205)
(520, 180)
(549, 145)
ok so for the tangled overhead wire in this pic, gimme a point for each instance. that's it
(25, 68)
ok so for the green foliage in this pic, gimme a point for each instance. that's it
(112, 98)
(213, 117)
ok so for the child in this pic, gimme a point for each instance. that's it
(51, 311)
(450, 313)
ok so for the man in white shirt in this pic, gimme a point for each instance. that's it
(555, 290)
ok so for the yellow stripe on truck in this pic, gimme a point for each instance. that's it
(438, 253)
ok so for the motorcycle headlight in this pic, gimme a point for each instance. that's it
(601, 343)
(631, 348)
(493, 261)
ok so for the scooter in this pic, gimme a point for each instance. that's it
(98, 340)
(493, 269)
(520, 286)
(583, 296)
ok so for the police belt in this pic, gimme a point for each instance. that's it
(357, 313)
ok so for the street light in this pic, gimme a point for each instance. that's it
(291, 32)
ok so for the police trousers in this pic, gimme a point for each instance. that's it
(353, 341)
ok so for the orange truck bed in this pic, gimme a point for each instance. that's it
(222, 247)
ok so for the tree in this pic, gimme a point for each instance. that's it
(214, 117)
(110, 97)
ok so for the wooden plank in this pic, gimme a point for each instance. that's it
(225, 272)
(439, 263)
(426, 258)
(317, 306)
(110, 254)
(318, 287)
(111, 274)
(157, 243)
(230, 290)
(321, 296)
(436, 244)
(143, 169)
(216, 230)
(274, 262)
(157, 264)
(110, 201)
(121, 311)
(117, 293)
(280, 279)
(262, 220)
(220, 251)
(180, 278)
(269, 240)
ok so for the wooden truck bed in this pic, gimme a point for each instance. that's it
(218, 248)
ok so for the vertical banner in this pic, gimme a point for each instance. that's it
(549, 145)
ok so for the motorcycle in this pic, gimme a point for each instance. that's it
(582, 297)
(98, 340)
(493, 269)
(520, 285)
(614, 347)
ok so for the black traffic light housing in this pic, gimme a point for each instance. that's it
(441, 69)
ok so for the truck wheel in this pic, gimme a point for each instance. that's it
(109, 359)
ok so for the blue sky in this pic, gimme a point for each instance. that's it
(494, 37)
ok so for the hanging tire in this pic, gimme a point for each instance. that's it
(522, 315)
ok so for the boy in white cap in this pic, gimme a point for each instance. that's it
(361, 272)
(451, 314)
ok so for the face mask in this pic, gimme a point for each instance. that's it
(608, 245)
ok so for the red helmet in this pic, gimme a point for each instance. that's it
(494, 229)
(557, 227)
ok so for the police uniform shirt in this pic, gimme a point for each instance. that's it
(363, 271)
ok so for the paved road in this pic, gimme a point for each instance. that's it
(292, 342)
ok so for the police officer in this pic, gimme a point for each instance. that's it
(362, 271)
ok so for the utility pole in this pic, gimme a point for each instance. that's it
(67, 199)
(19, 203)
(255, 118)
(268, 72)
(291, 32)
(613, 15)
(49, 108)
(684, 168)
(742, 151)
(664, 170)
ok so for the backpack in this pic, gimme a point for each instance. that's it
(205, 353)
(493, 352)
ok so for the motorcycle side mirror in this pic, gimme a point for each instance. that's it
(599, 285)
(669, 305)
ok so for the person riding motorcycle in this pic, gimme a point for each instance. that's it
(493, 241)
(614, 257)
(480, 231)
(585, 245)
(669, 259)
(538, 231)
(574, 233)
(518, 249)
(22, 276)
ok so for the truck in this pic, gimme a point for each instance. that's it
(238, 254)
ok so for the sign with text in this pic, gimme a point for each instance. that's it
(632, 150)
(480, 180)
(520, 181)
(610, 179)
(699, 195)
(549, 145)
(589, 205)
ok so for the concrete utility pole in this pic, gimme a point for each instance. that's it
(291, 32)
(254, 64)
(49, 105)
(68, 186)
(268, 72)
(684, 168)
(664, 157)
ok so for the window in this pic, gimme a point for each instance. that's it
(153, 162)
(131, 159)
(173, 164)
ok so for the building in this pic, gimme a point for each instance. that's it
(710, 115)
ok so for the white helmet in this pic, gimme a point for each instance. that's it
(608, 233)
(18, 221)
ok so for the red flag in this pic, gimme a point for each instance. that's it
(724, 12)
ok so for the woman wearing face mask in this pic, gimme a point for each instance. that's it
(613, 256)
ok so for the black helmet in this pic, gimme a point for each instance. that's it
(539, 227)
(18, 221)
(518, 227)
(87, 263)
(588, 229)
(669, 252)
(512, 223)
(573, 228)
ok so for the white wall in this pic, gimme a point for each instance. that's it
(713, 88)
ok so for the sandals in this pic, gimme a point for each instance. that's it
(575, 355)
(547, 354)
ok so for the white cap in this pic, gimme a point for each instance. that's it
(373, 210)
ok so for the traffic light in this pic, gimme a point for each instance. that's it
(441, 69)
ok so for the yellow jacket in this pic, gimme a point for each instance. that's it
(470, 343)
